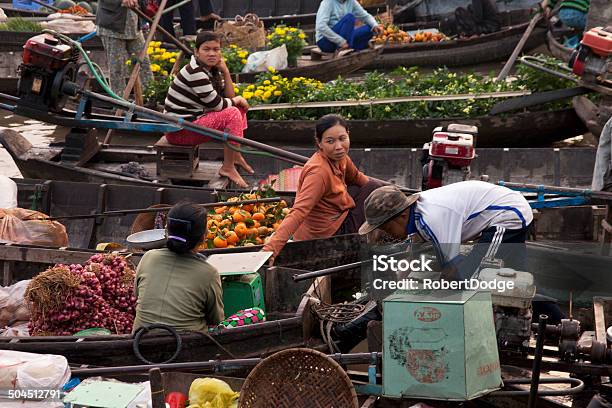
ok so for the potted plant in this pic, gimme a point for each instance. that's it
(292, 37)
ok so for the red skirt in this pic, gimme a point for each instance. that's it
(232, 120)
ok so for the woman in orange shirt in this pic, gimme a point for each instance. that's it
(331, 190)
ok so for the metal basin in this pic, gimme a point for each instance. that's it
(149, 239)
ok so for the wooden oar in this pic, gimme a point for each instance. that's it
(519, 47)
(119, 213)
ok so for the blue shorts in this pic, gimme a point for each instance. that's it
(573, 18)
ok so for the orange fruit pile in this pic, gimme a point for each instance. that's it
(243, 225)
(393, 35)
(427, 36)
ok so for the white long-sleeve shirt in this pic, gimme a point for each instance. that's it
(331, 11)
(449, 215)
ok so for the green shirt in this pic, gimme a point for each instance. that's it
(182, 291)
(580, 5)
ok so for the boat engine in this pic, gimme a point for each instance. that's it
(48, 62)
(512, 308)
(446, 159)
(593, 58)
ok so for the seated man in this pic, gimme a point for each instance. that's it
(573, 13)
(479, 18)
(203, 92)
(335, 27)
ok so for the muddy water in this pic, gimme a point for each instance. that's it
(38, 133)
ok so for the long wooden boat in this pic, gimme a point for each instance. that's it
(62, 198)
(524, 129)
(289, 324)
(571, 167)
(459, 52)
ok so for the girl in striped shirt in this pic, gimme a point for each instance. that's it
(203, 93)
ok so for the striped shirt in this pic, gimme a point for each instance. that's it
(580, 5)
(192, 93)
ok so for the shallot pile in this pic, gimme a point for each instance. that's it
(66, 299)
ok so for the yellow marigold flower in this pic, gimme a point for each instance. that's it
(164, 73)
(155, 67)
(128, 62)
(271, 69)
(266, 82)
(236, 90)
(293, 29)
(173, 60)
(247, 95)
(259, 92)
(277, 93)
(275, 78)
(243, 61)
(251, 86)
(289, 38)
(149, 51)
(233, 46)
(302, 35)
(267, 95)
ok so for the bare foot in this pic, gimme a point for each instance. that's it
(233, 175)
(239, 161)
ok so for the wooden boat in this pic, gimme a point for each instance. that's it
(571, 167)
(289, 322)
(325, 69)
(556, 48)
(524, 129)
(61, 198)
(461, 52)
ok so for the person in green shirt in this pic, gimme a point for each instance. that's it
(176, 286)
(573, 13)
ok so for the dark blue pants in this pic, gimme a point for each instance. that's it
(357, 39)
(187, 19)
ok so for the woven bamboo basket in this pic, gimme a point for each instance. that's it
(298, 378)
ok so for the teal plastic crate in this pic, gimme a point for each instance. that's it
(242, 292)
(439, 345)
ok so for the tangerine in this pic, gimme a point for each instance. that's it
(231, 237)
(219, 242)
(240, 229)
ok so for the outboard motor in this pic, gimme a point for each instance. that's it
(48, 62)
(446, 159)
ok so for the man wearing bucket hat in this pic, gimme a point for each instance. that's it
(449, 215)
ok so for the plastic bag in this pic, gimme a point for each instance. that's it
(3, 17)
(19, 329)
(20, 370)
(30, 227)
(260, 61)
(8, 198)
(12, 305)
(212, 393)
(68, 23)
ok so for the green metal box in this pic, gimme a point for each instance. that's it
(242, 292)
(439, 345)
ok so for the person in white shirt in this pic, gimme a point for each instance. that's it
(449, 215)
